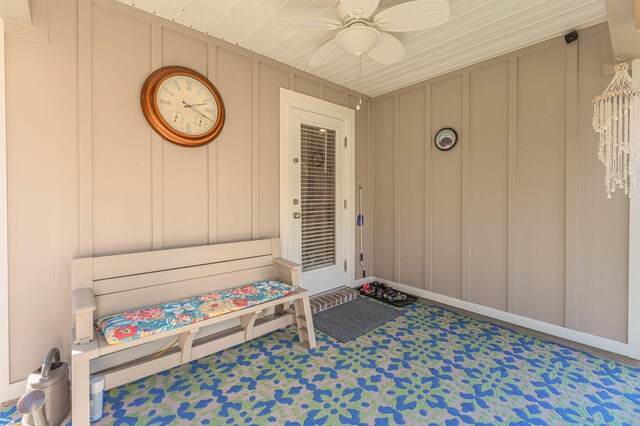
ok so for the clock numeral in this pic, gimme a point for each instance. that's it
(211, 110)
(189, 85)
(165, 102)
(206, 101)
(177, 84)
(168, 91)
(199, 90)
(188, 127)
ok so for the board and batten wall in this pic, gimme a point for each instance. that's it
(515, 216)
(88, 176)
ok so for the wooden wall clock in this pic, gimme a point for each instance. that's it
(182, 106)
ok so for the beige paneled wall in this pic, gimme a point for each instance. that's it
(410, 197)
(121, 184)
(384, 203)
(42, 155)
(488, 184)
(541, 184)
(445, 203)
(88, 177)
(515, 216)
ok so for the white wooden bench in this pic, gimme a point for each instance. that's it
(115, 284)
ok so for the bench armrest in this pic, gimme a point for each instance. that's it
(287, 271)
(83, 304)
(82, 300)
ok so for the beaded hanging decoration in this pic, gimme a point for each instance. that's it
(616, 117)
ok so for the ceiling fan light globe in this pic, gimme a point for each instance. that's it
(358, 39)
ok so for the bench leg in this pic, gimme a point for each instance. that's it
(185, 342)
(309, 318)
(304, 322)
(80, 391)
(248, 322)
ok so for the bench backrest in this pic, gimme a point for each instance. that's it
(129, 281)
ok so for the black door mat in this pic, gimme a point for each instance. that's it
(349, 320)
(398, 303)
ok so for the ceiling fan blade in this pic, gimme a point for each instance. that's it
(326, 53)
(360, 8)
(413, 16)
(388, 50)
(306, 23)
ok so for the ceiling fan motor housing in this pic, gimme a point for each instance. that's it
(345, 15)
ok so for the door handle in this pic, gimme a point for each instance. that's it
(296, 215)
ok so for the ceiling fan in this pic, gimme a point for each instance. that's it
(362, 32)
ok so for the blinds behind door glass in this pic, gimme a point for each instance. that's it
(318, 193)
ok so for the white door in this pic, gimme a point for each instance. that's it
(316, 180)
(317, 192)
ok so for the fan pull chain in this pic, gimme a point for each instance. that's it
(359, 82)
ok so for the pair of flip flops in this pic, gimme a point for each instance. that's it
(382, 291)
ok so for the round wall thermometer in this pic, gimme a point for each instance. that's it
(182, 106)
(446, 139)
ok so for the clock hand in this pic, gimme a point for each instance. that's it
(201, 114)
(187, 105)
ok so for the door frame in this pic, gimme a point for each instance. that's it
(5, 379)
(293, 100)
(633, 314)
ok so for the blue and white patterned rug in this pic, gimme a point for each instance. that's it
(428, 366)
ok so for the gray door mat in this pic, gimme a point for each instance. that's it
(349, 320)
(332, 298)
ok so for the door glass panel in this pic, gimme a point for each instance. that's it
(318, 197)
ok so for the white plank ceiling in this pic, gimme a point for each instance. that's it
(477, 30)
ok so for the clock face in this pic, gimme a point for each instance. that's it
(187, 105)
(182, 106)
(446, 139)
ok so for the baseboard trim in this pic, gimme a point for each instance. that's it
(359, 282)
(587, 339)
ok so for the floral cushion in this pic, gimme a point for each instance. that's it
(156, 319)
